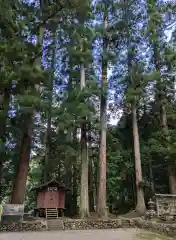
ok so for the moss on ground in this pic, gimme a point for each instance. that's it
(152, 236)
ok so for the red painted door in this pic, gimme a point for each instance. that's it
(52, 199)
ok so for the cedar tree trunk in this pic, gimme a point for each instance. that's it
(84, 205)
(140, 206)
(101, 196)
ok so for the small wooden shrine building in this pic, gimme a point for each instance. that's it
(50, 199)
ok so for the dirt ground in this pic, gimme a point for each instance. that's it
(119, 234)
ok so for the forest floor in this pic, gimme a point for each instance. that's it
(119, 234)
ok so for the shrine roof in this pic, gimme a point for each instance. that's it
(51, 183)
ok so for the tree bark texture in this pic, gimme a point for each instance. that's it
(84, 205)
(68, 163)
(101, 203)
(19, 187)
(91, 182)
(140, 202)
(49, 120)
(140, 206)
(75, 180)
(171, 164)
(162, 102)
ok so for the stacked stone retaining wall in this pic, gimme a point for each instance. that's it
(78, 224)
(168, 229)
(24, 226)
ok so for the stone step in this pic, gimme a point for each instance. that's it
(55, 225)
(55, 221)
(60, 226)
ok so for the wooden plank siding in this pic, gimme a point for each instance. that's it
(51, 199)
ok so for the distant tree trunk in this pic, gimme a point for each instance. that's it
(47, 150)
(75, 180)
(19, 187)
(91, 187)
(91, 183)
(101, 204)
(171, 164)
(96, 180)
(68, 163)
(4, 107)
(151, 176)
(75, 189)
(59, 171)
(68, 173)
(71, 134)
(161, 96)
(49, 120)
(140, 206)
(84, 206)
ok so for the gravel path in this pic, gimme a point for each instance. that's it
(119, 234)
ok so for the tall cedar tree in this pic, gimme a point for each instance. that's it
(19, 187)
(9, 25)
(84, 204)
(49, 112)
(83, 15)
(140, 204)
(161, 98)
(101, 203)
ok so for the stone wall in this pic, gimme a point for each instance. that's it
(168, 229)
(23, 226)
(78, 224)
